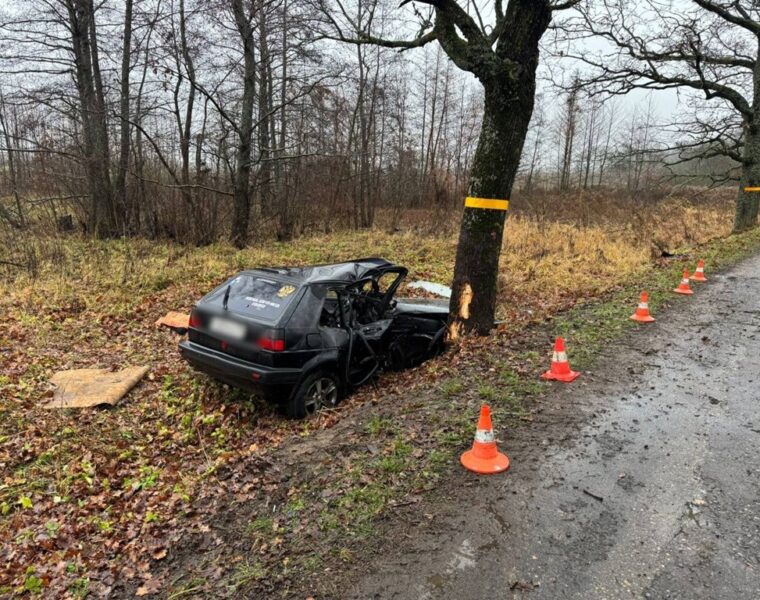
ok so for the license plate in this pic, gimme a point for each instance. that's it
(227, 328)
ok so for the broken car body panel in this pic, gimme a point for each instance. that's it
(267, 329)
(438, 289)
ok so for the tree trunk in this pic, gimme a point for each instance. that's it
(285, 229)
(140, 202)
(494, 166)
(509, 100)
(186, 130)
(571, 116)
(18, 220)
(102, 217)
(747, 202)
(124, 142)
(265, 116)
(241, 199)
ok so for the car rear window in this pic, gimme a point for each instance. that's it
(255, 296)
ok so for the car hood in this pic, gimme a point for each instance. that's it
(424, 306)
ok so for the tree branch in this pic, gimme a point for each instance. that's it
(564, 5)
(742, 21)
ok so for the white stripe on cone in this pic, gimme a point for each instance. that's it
(484, 436)
(685, 281)
(559, 357)
(644, 305)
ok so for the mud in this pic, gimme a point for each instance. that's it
(639, 480)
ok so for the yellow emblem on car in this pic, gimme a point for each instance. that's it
(285, 290)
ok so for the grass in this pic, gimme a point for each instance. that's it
(593, 327)
(451, 387)
(542, 260)
(139, 469)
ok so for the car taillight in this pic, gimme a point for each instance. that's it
(271, 344)
(195, 320)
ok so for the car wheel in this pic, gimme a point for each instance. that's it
(319, 390)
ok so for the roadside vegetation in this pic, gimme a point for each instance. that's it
(189, 489)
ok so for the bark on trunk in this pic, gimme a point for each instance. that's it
(241, 192)
(16, 221)
(480, 237)
(265, 116)
(102, 218)
(747, 202)
(124, 142)
(285, 228)
(509, 98)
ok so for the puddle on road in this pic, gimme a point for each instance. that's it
(462, 559)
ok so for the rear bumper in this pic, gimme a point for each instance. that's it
(235, 371)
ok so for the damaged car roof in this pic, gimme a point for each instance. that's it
(345, 271)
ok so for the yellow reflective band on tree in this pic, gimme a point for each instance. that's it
(486, 203)
(752, 189)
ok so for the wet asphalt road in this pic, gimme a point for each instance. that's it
(665, 433)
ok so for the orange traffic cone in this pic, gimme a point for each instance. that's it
(699, 274)
(642, 312)
(484, 458)
(560, 370)
(683, 287)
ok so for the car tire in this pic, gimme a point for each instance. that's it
(318, 390)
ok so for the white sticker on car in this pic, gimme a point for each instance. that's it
(260, 303)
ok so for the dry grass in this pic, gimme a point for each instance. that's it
(549, 261)
(542, 259)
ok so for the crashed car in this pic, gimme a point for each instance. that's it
(306, 336)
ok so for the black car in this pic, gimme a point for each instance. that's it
(304, 336)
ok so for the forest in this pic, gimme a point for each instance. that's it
(203, 121)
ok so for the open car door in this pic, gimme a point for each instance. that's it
(373, 296)
(362, 357)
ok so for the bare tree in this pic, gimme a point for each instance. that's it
(569, 124)
(537, 130)
(124, 101)
(196, 119)
(611, 112)
(504, 58)
(84, 44)
(16, 220)
(245, 126)
(711, 47)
